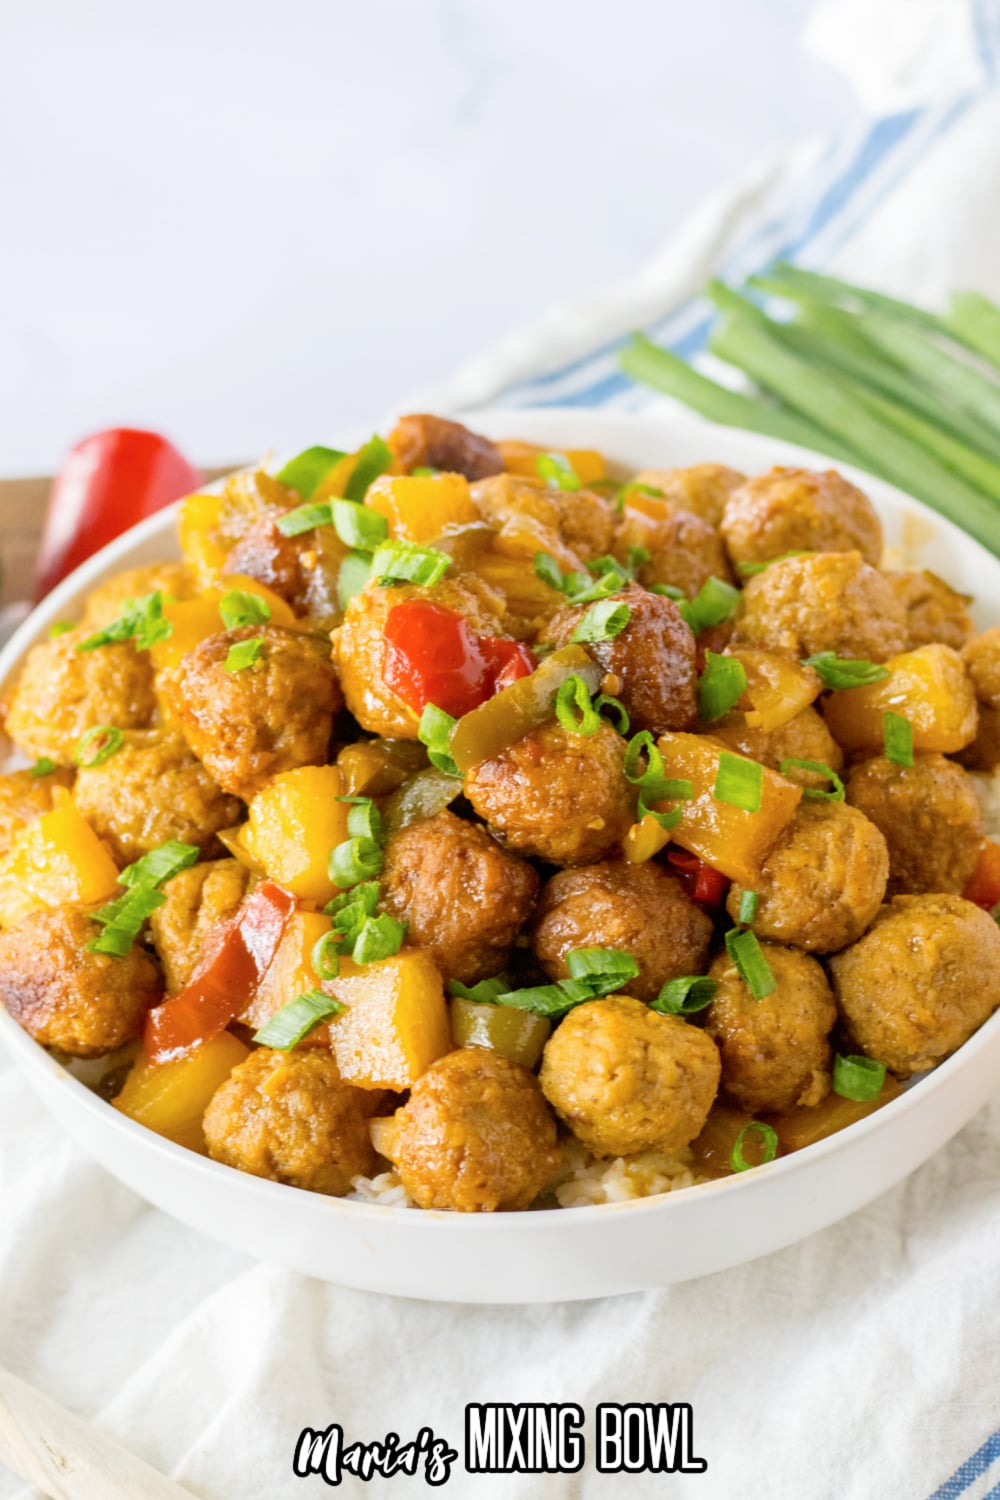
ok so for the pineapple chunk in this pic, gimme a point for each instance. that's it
(396, 1022)
(56, 859)
(522, 458)
(419, 508)
(172, 1097)
(778, 687)
(929, 687)
(294, 822)
(290, 972)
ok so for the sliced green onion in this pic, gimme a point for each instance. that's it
(739, 782)
(43, 766)
(858, 1078)
(751, 569)
(748, 957)
(60, 628)
(602, 622)
(373, 459)
(244, 653)
(654, 784)
(305, 518)
(747, 907)
(350, 910)
(404, 562)
(548, 570)
(840, 672)
(364, 820)
(669, 591)
(325, 956)
(354, 860)
(159, 865)
(122, 920)
(424, 471)
(307, 470)
(636, 558)
(769, 1140)
(604, 969)
(239, 608)
(685, 996)
(617, 710)
(380, 937)
(486, 992)
(574, 708)
(141, 621)
(898, 733)
(557, 471)
(721, 685)
(355, 571)
(836, 792)
(434, 731)
(97, 745)
(713, 603)
(287, 1027)
(358, 526)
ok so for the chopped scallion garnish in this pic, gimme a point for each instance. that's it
(617, 710)
(350, 910)
(751, 569)
(836, 792)
(486, 992)
(123, 918)
(305, 518)
(751, 965)
(548, 570)
(364, 820)
(721, 685)
(858, 1078)
(244, 654)
(769, 1146)
(238, 608)
(60, 628)
(160, 864)
(685, 996)
(141, 622)
(307, 470)
(380, 937)
(602, 622)
(747, 907)
(434, 731)
(97, 746)
(354, 860)
(325, 957)
(840, 672)
(358, 526)
(739, 782)
(898, 733)
(404, 562)
(574, 708)
(372, 460)
(355, 571)
(713, 603)
(44, 766)
(593, 972)
(294, 1021)
(557, 471)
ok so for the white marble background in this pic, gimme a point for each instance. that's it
(251, 223)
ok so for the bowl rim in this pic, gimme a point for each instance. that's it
(30, 1055)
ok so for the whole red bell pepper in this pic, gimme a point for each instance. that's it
(225, 978)
(108, 482)
(433, 656)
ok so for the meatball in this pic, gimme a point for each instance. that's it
(638, 909)
(929, 815)
(775, 1051)
(627, 1079)
(684, 550)
(556, 795)
(106, 603)
(653, 658)
(265, 553)
(583, 521)
(423, 441)
(803, 737)
(198, 900)
(290, 1116)
(271, 716)
(982, 662)
(65, 996)
(934, 611)
(475, 1135)
(823, 881)
(23, 798)
(920, 981)
(827, 601)
(796, 510)
(151, 790)
(63, 692)
(462, 897)
(984, 752)
(359, 646)
(702, 489)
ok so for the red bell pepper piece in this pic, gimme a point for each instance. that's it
(108, 482)
(702, 882)
(225, 978)
(432, 656)
(984, 883)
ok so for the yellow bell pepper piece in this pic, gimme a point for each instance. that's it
(171, 1098)
(522, 458)
(294, 822)
(419, 508)
(197, 523)
(395, 1024)
(56, 859)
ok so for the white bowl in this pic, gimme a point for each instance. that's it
(563, 1253)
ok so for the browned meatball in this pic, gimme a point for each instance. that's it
(823, 881)
(921, 980)
(653, 658)
(556, 795)
(582, 520)
(827, 601)
(775, 1051)
(475, 1135)
(702, 489)
(934, 611)
(423, 441)
(106, 603)
(685, 551)
(23, 798)
(929, 815)
(63, 995)
(796, 510)
(151, 790)
(63, 692)
(265, 553)
(272, 716)
(982, 662)
(462, 897)
(290, 1116)
(198, 899)
(804, 737)
(984, 752)
(627, 1079)
(638, 909)
(359, 646)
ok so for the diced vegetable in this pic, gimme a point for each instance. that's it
(645, 839)
(423, 796)
(171, 1098)
(806, 1124)
(373, 768)
(928, 687)
(512, 713)
(778, 687)
(729, 838)
(396, 1022)
(291, 970)
(984, 884)
(419, 508)
(57, 858)
(515, 1034)
(432, 656)
(197, 525)
(522, 458)
(294, 821)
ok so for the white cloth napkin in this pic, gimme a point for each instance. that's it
(861, 1363)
